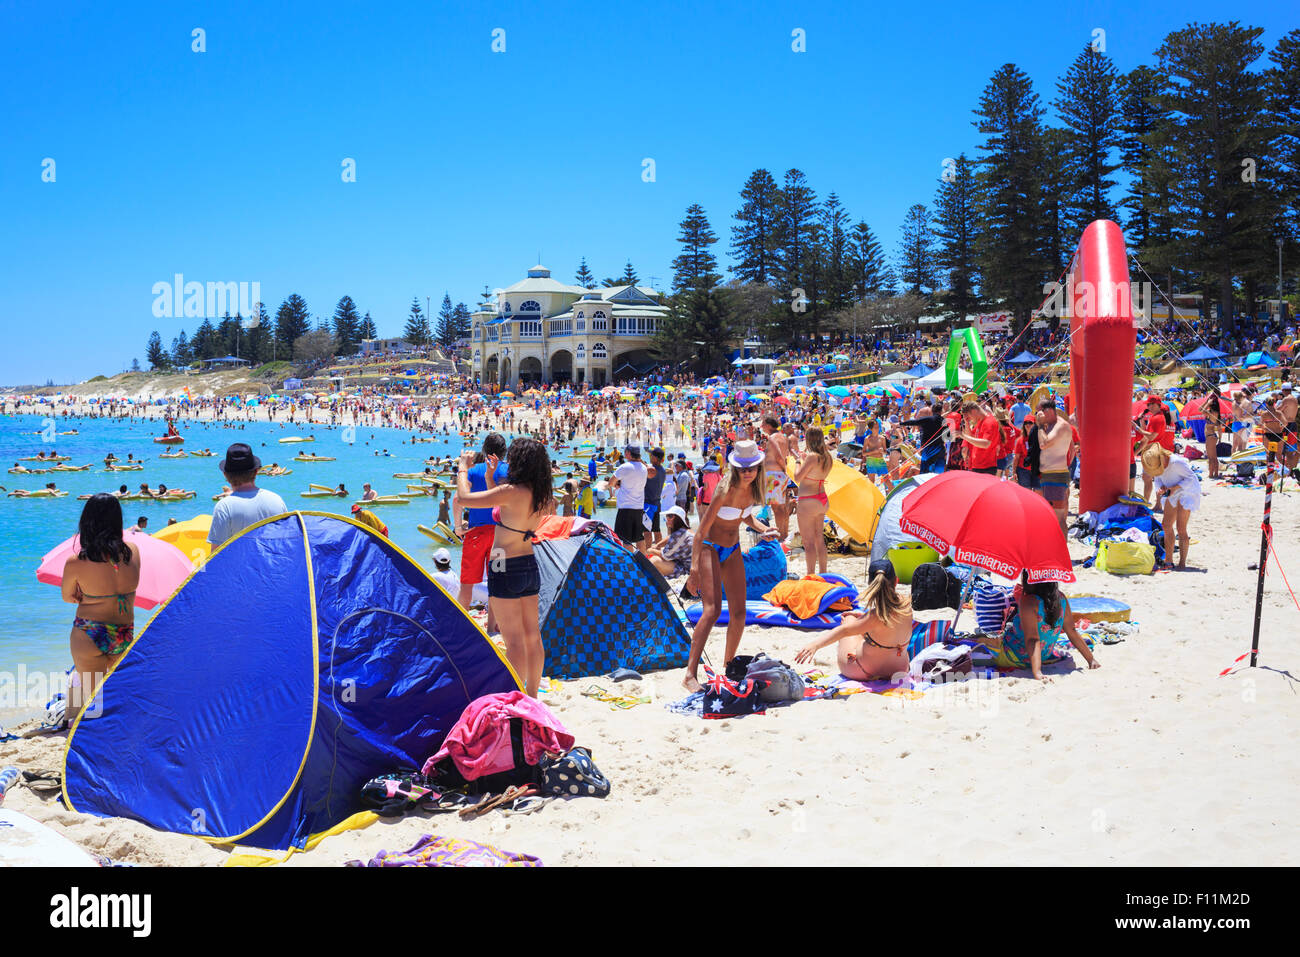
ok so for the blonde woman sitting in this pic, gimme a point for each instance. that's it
(871, 643)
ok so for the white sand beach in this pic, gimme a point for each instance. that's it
(1152, 759)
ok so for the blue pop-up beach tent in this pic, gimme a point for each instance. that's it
(1259, 359)
(603, 606)
(308, 655)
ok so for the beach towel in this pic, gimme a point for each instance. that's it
(433, 851)
(804, 596)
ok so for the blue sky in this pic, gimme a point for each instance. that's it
(225, 165)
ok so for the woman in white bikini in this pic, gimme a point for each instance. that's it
(814, 466)
(717, 565)
(871, 644)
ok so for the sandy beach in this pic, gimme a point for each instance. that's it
(1151, 760)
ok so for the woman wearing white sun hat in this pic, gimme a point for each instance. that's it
(717, 565)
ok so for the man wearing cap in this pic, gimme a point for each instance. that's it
(367, 517)
(442, 572)
(246, 504)
(629, 483)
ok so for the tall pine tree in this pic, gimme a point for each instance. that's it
(445, 327)
(754, 235)
(584, 278)
(292, 322)
(417, 331)
(915, 250)
(1088, 103)
(347, 326)
(1009, 247)
(955, 228)
(696, 268)
(368, 330)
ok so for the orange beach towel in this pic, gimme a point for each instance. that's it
(803, 596)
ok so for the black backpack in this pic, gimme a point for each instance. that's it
(933, 587)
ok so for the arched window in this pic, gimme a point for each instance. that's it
(598, 351)
(505, 310)
(582, 347)
(598, 322)
(531, 305)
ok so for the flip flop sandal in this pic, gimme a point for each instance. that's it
(43, 782)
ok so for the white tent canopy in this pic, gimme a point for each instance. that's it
(938, 379)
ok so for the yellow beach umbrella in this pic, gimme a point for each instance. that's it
(191, 536)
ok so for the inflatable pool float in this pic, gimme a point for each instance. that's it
(297, 438)
(384, 500)
(39, 493)
(73, 468)
(203, 455)
(1097, 608)
(169, 439)
(125, 468)
(765, 613)
(314, 458)
(26, 842)
(447, 532)
(316, 494)
(432, 533)
(29, 471)
(419, 475)
(49, 458)
(173, 455)
(265, 474)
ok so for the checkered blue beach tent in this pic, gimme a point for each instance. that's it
(308, 655)
(604, 607)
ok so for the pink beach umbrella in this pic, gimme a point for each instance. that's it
(163, 567)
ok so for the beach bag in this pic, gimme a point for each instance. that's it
(1125, 558)
(573, 774)
(933, 587)
(779, 682)
(725, 698)
(940, 661)
(497, 742)
(397, 792)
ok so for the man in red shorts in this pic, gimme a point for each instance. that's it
(475, 526)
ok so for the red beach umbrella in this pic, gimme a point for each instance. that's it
(996, 525)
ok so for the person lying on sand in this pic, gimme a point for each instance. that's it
(870, 644)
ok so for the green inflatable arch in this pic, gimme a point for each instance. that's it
(978, 359)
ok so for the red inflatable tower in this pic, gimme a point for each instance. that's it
(1102, 346)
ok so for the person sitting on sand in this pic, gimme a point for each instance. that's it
(101, 579)
(871, 643)
(720, 569)
(1173, 478)
(1041, 619)
(673, 557)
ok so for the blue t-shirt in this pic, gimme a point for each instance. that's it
(238, 510)
(1018, 413)
(475, 517)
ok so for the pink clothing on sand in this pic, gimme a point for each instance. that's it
(479, 743)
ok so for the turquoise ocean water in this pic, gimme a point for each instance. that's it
(35, 635)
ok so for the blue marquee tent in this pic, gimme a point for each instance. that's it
(1204, 354)
(308, 655)
(919, 371)
(1026, 358)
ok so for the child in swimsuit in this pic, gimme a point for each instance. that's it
(104, 625)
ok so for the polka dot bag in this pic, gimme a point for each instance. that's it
(572, 774)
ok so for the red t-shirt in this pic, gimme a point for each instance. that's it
(986, 458)
(1157, 425)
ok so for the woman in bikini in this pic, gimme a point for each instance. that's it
(101, 579)
(717, 565)
(814, 465)
(872, 643)
(513, 577)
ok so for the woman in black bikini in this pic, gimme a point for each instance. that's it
(872, 644)
(104, 623)
(513, 578)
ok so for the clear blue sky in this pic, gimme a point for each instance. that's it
(225, 165)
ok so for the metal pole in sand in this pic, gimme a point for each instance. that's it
(1266, 529)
